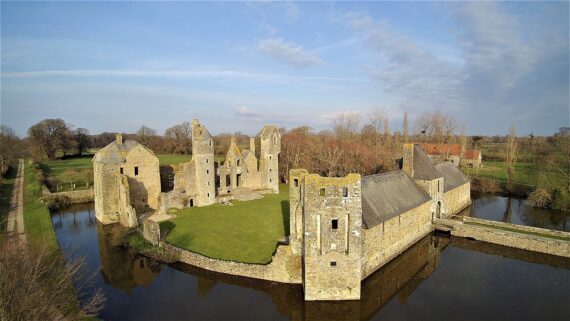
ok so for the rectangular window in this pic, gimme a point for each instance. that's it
(208, 194)
(121, 170)
(322, 192)
(207, 171)
(345, 192)
(296, 182)
(207, 161)
(136, 170)
(334, 223)
(333, 263)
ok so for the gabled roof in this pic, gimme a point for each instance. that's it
(201, 133)
(472, 154)
(268, 130)
(117, 153)
(233, 149)
(388, 195)
(247, 153)
(423, 167)
(452, 176)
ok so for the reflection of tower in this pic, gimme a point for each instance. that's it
(120, 268)
(205, 286)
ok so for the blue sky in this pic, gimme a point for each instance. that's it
(114, 66)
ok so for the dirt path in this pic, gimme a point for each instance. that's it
(16, 213)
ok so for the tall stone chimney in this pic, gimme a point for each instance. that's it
(252, 144)
(233, 140)
(119, 139)
(195, 123)
(408, 159)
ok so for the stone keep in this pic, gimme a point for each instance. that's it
(332, 237)
(296, 196)
(269, 157)
(203, 159)
(125, 174)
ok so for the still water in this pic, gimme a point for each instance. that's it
(439, 278)
(516, 211)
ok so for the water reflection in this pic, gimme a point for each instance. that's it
(436, 278)
(516, 211)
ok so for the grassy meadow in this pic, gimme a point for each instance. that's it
(245, 232)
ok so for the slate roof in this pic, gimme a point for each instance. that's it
(452, 176)
(388, 195)
(201, 133)
(117, 153)
(423, 167)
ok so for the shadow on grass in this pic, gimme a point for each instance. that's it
(165, 228)
(6, 188)
(285, 213)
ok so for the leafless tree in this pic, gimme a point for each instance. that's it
(511, 154)
(179, 137)
(405, 127)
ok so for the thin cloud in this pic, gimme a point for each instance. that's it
(289, 52)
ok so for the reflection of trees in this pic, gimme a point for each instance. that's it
(545, 218)
(507, 215)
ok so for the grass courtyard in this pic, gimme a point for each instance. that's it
(525, 173)
(245, 232)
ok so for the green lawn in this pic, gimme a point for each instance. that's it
(6, 188)
(37, 219)
(525, 173)
(175, 159)
(245, 232)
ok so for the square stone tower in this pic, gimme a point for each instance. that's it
(269, 157)
(203, 161)
(332, 244)
(296, 195)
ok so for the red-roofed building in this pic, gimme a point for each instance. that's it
(452, 153)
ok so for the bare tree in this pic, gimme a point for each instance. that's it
(180, 137)
(10, 148)
(40, 285)
(511, 154)
(387, 136)
(48, 136)
(562, 143)
(405, 127)
(346, 125)
(463, 140)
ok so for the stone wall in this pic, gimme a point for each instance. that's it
(106, 192)
(73, 197)
(296, 195)
(529, 239)
(332, 239)
(457, 199)
(142, 169)
(385, 241)
(284, 268)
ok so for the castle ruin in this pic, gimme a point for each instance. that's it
(127, 181)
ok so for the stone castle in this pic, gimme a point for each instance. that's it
(346, 228)
(127, 180)
(342, 229)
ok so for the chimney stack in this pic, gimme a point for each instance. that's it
(119, 139)
(252, 144)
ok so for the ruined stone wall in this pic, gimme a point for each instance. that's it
(457, 199)
(296, 195)
(385, 241)
(250, 176)
(284, 267)
(142, 170)
(332, 239)
(127, 213)
(106, 190)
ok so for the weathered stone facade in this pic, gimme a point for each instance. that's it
(332, 237)
(125, 174)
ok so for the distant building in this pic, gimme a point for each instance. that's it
(453, 153)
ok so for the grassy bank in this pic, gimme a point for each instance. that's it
(6, 188)
(525, 173)
(37, 219)
(245, 232)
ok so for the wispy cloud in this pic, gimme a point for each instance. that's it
(191, 74)
(289, 52)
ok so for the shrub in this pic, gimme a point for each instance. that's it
(490, 186)
(541, 197)
(40, 286)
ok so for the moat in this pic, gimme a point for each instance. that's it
(438, 278)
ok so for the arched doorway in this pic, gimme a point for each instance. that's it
(438, 210)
